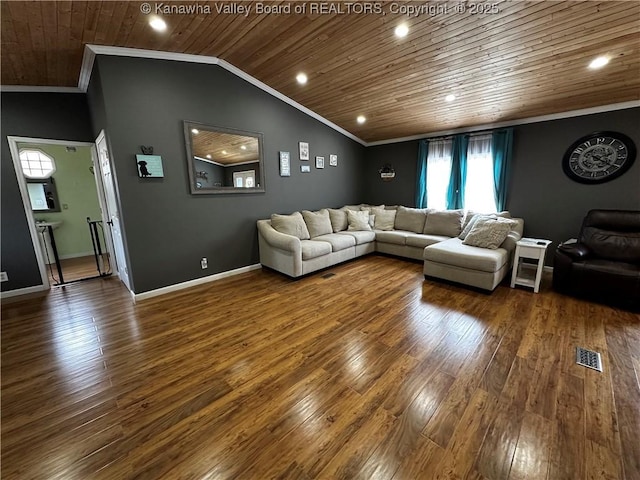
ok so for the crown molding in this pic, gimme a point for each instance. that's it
(512, 123)
(39, 89)
(92, 50)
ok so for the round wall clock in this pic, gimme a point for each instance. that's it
(599, 157)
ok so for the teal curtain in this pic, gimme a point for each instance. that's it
(501, 149)
(455, 192)
(421, 185)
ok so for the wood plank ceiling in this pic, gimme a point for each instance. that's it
(528, 59)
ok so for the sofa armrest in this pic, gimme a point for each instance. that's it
(277, 239)
(576, 251)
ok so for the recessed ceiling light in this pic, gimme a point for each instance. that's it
(301, 78)
(158, 24)
(195, 131)
(243, 147)
(598, 62)
(224, 152)
(401, 30)
(209, 157)
(361, 119)
(450, 98)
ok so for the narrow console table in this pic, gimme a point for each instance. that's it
(527, 274)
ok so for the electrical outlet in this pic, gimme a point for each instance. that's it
(203, 262)
(4, 277)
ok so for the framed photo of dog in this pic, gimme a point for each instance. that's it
(149, 166)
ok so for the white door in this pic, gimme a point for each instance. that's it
(112, 208)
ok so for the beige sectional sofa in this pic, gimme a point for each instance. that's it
(304, 242)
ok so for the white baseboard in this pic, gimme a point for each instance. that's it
(192, 283)
(23, 291)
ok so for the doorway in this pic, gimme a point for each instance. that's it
(63, 197)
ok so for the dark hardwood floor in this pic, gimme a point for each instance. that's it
(79, 268)
(370, 373)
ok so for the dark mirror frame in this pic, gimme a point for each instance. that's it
(49, 186)
(188, 125)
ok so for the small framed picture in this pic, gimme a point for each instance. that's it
(285, 164)
(305, 168)
(149, 166)
(319, 162)
(333, 160)
(304, 150)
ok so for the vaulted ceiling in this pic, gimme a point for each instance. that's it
(517, 59)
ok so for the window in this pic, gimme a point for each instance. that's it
(479, 181)
(36, 164)
(438, 173)
(478, 190)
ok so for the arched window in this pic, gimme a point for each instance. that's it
(36, 164)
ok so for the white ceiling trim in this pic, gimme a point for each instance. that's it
(39, 89)
(92, 50)
(522, 121)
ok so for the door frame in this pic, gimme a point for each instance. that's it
(105, 211)
(26, 204)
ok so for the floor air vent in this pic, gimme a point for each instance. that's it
(588, 358)
(328, 275)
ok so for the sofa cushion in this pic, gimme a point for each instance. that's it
(397, 237)
(354, 207)
(422, 240)
(318, 223)
(338, 219)
(312, 249)
(360, 236)
(489, 232)
(358, 220)
(454, 252)
(410, 219)
(444, 222)
(291, 225)
(338, 242)
(384, 219)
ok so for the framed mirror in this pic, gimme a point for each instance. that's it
(43, 195)
(223, 160)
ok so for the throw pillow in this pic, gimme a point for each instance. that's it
(291, 225)
(318, 223)
(471, 223)
(444, 222)
(489, 232)
(384, 219)
(472, 217)
(410, 219)
(358, 220)
(338, 219)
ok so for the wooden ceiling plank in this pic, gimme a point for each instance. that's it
(50, 27)
(470, 66)
(104, 22)
(124, 26)
(64, 39)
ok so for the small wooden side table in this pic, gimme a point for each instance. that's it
(536, 249)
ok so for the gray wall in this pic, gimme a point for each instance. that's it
(402, 189)
(168, 230)
(551, 204)
(53, 116)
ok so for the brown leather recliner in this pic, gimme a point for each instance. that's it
(604, 265)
